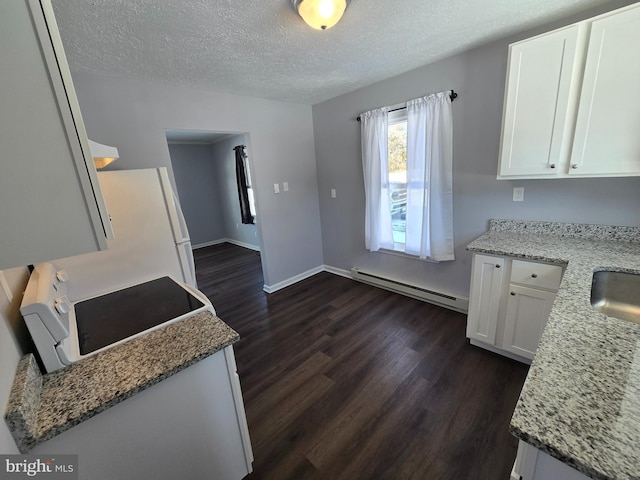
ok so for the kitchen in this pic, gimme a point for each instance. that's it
(321, 145)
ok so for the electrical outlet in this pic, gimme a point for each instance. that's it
(518, 194)
(285, 186)
(333, 193)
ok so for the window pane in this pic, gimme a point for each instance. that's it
(397, 154)
(247, 172)
(252, 204)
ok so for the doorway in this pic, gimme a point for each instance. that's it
(204, 168)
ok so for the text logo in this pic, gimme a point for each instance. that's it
(50, 467)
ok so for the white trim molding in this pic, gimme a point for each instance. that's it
(226, 240)
(337, 271)
(295, 279)
(456, 303)
(208, 244)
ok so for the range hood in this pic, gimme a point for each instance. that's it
(102, 155)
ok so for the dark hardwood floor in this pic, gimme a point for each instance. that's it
(342, 380)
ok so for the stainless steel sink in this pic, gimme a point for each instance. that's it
(617, 294)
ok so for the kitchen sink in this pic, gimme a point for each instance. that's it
(617, 294)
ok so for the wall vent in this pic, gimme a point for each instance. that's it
(452, 302)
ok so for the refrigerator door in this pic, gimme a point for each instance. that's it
(180, 231)
(178, 223)
(144, 247)
(186, 261)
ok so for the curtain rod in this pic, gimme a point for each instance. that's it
(453, 95)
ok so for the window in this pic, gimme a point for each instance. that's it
(407, 165)
(397, 168)
(252, 202)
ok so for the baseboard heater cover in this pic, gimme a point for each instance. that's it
(459, 304)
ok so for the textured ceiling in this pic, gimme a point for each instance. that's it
(262, 48)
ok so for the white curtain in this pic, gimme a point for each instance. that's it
(429, 227)
(378, 233)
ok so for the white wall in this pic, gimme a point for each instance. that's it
(205, 176)
(199, 192)
(479, 77)
(14, 342)
(133, 116)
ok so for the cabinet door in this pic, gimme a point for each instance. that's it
(536, 129)
(606, 138)
(48, 203)
(527, 313)
(169, 434)
(484, 301)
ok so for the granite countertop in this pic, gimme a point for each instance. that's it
(581, 400)
(43, 406)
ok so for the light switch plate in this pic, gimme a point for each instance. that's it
(518, 194)
(276, 188)
(285, 186)
(333, 193)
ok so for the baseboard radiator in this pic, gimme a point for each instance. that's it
(459, 304)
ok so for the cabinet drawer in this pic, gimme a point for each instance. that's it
(538, 275)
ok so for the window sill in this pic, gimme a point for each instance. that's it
(405, 255)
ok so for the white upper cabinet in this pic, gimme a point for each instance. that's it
(535, 132)
(51, 205)
(607, 135)
(572, 101)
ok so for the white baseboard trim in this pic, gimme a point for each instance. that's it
(243, 244)
(208, 244)
(295, 279)
(349, 274)
(304, 275)
(226, 240)
(337, 271)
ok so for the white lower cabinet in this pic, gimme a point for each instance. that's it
(486, 282)
(509, 304)
(192, 425)
(533, 464)
(527, 313)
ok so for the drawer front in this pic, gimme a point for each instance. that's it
(540, 275)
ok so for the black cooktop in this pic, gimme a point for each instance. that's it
(115, 316)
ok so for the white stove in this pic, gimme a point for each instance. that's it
(65, 332)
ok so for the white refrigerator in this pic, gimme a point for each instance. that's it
(151, 237)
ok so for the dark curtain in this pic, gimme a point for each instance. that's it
(241, 179)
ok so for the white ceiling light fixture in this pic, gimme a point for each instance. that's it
(320, 14)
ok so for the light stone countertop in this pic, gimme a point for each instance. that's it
(581, 400)
(43, 406)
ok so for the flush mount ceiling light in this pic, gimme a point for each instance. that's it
(320, 14)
